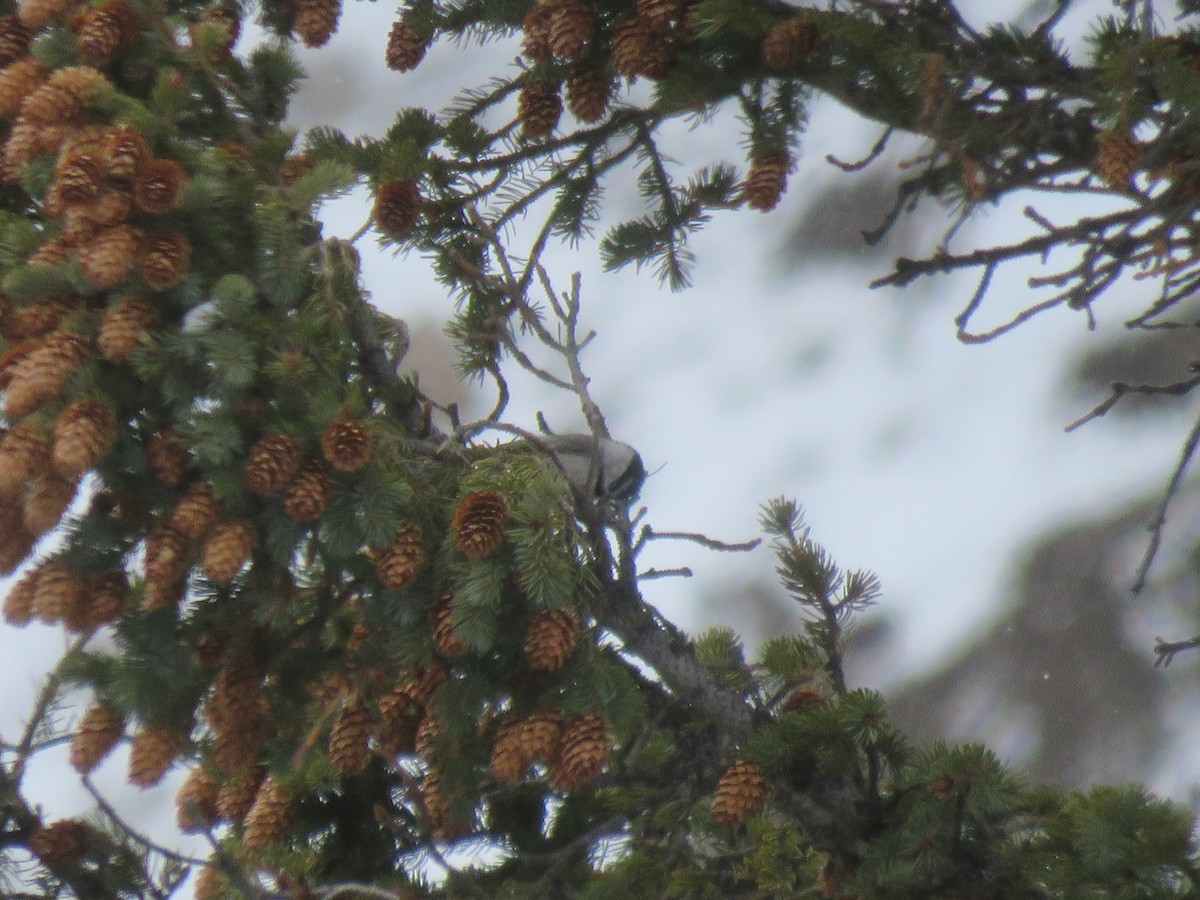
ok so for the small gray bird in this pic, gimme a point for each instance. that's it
(598, 467)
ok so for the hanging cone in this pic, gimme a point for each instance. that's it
(39, 318)
(397, 208)
(586, 748)
(109, 257)
(98, 732)
(551, 638)
(166, 565)
(660, 13)
(196, 802)
(307, 496)
(509, 759)
(400, 564)
(640, 48)
(346, 444)
(15, 541)
(269, 817)
(40, 375)
(349, 741)
(125, 326)
(766, 180)
(1117, 159)
(14, 40)
(102, 30)
(48, 499)
(272, 463)
(37, 14)
(790, 42)
(20, 149)
(78, 177)
(83, 434)
(24, 454)
(227, 549)
(58, 595)
(18, 81)
(539, 108)
(160, 186)
(236, 796)
(18, 602)
(479, 524)
(211, 884)
(440, 621)
(163, 259)
(740, 792)
(541, 736)
(317, 20)
(124, 151)
(405, 47)
(195, 512)
(166, 457)
(572, 26)
(400, 715)
(153, 751)
(61, 844)
(237, 694)
(429, 734)
(588, 94)
(107, 597)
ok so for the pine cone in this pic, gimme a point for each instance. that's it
(766, 180)
(509, 758)
(18, 81)
(40, 376)
(83, 434)
(349, 741)
(24, 454)
(660, 13)
(551, 638)
(99, 731)
(61, 844)
(39, 318)
(57, 594)
(479, 524)
(48, 499)
(440, 621)
(78, 177)
(125, 151)
(572, 26)
(163, 259)
(64, 97)
(740, 792)
(14, 40)
(317, 20)
(166, 457)
(37, 14)
(159, 186)
(346, 443)
(269, 817)
(109, 257)
(400, 715)
(196, 511)
(152, 752)
(429, 735)
(211, 884)
(790, 42)
(237, 693)
(103, 29)
(640, 48)
(397, 208)
(1117, 158)
(196, 802)
(18, 602)
(125, 326)
(272, 463)
(588, 94)
(539, 108)
(166, 565)
(20, 149)
(542, 736)
(437, 809)
(307, 496)
(236, 796)
(107, 597)
(535, 39)
(15, 541)
(586, 748)
(405, 47)
(400, 564)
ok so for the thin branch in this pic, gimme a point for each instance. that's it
(1160, 519)
(133, 833)
(1121, 389)
(649, 534)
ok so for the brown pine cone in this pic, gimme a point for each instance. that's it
(98, 732)
(740, 793)
(295, 167)
(405, 47)
(308, 494)
(539, 108)
(48, 499)
(166, 457)
(57, 594)
(317, 20)
(400, 564)
(196, 802)
(17, 81)
(346, 443)
(766, 180)
(572, 26)
(159, 186)
(588, 94)
(24, 456)
(438, 809)
(61, 844)
(440, 621)
(15, 541)
(542, 735)
(39, 376)
(397, 208)
(1117, 159)
(237, 693)
(125, 151)
(400, 714)
(83, 434)
(107, 598)
(163, 259)
(551, 639)
(349, 741)
(790, 42)
(152, 752)
(20, 149)
(165, 565)
(196, 511)
(236, 796)
(36, 14)
(211, 884)
(429, 735)
(18, 602)
(660, 13)
(586, 748)
(65, 96)
(78, 177)
(272, 463)
(14, 40)
(640, 48)
(103, 29)
(479, 524)
(269, 818)
(535, 38)
(126, 324)
(509, 757)
(109, 257)
(39, 318)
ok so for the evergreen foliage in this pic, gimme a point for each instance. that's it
(396, 648)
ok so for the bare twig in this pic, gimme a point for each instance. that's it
(1160, 519)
